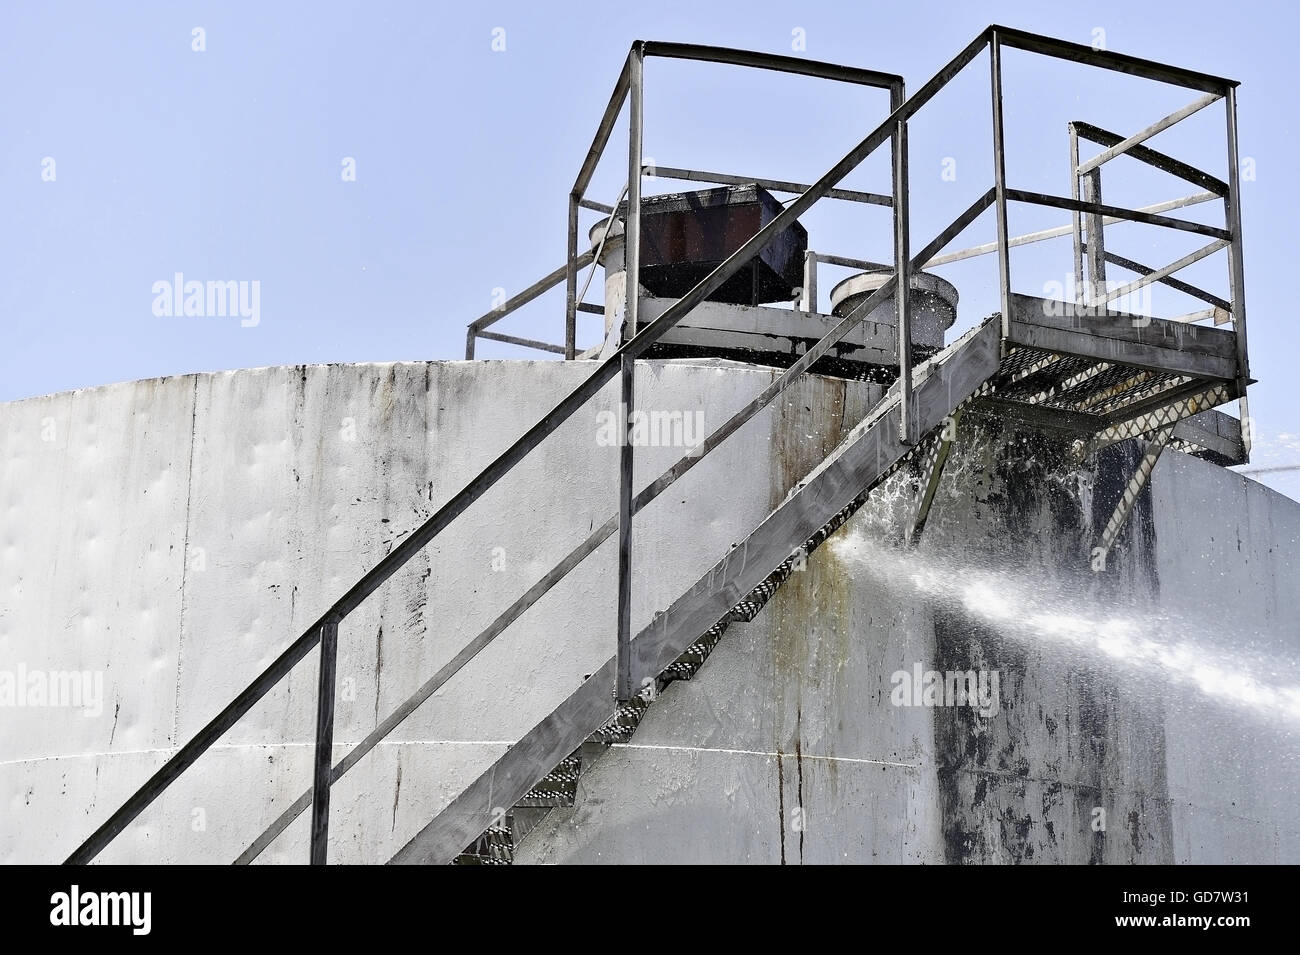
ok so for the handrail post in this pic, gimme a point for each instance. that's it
(625, 517)
(810, 282)
(1076, 217)
(632, 228)
(571, 282)
(1096, 240)
(903, 285)
(1000, 183)
(471, 337)
(631, 298)
(320, 796)
(1235, 266)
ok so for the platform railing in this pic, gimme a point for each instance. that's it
(323, 633)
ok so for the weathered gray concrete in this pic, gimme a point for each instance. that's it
(174, 535)
(1230, 549)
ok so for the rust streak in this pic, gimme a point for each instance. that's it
(780, 799)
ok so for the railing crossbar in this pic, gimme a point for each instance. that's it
(772, 185)
(1058, 231)
(1115, 212)
(1141, 136)
(1153, 158)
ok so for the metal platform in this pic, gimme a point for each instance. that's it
(1115, 377)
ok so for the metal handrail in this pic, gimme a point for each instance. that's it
(771, 185)
(487, 478)
(475, 329)
(597, 537)
(621, 362)
(1093, 250)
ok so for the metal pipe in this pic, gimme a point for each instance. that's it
(1236, 267)
(571, 281)
(1153, 158)
(1119, 62)
(903, 320)
(544, 284)
(810, 282)
(846, 262)
(1220, 304)
(624, 690)
(1143, 135)
(1076, 220)
(1000, 180)
(772, 185)
(605, 128)
(771, 61)
(956, 228)
(1096, 247)
(1200, 316)
(1159, 274)
(631, 299)
(1058, 231)
(1116, 212)
(524, 342)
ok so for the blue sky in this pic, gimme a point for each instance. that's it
(225, 164)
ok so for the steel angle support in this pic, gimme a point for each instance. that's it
(1160, 419)
(936, 456)
(1131, 491)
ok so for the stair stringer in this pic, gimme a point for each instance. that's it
(866, 455)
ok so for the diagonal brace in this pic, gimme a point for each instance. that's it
(932, 464)
(1131, 491)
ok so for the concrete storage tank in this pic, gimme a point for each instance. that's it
(767, 585)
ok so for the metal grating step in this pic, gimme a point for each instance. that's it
(469, 858)
(1044, 375)
(1097, 393)
(558, 787)
(620, 727)
(693, 657)
(496, 846)
(749, 608)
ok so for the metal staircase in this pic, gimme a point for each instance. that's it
(1068, 388)
(677, 643)
(1075, 367)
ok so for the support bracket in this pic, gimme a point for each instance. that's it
(936, 456)
(1131, 491)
